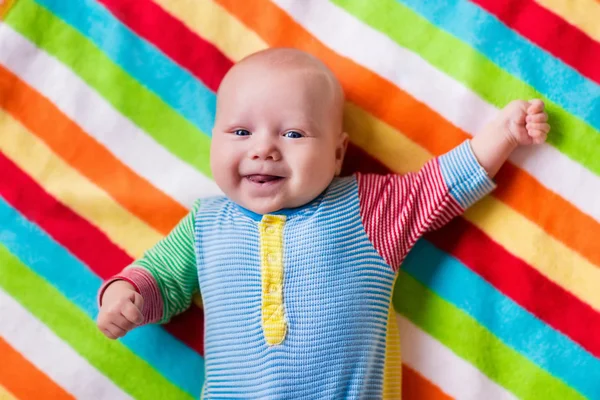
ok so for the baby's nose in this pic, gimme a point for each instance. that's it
(267, 152)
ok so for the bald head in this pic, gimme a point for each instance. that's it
(291, 61)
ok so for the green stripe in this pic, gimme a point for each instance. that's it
(471, 341)
(570, 135)
(172, 263)
(127, 95)
(74, 327)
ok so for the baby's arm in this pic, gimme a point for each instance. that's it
(155, 287)
(397, 210)
(519, 123)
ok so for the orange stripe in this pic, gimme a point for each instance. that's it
(86, 155)
(416, 387)
(24, 380)
(423, 126)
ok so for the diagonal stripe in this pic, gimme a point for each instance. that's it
(101, 121)
(450, 55)
(5, 394)
(84, 241)
(513, 54)
(416, 386)
(74, 327)
(584, 14)
(142, 61)
(127, 95)
(517, 328)
(475, 344)
(60, 367)
(17, 372)
(550, 32)
(580, 278)
(62, 135)
(174, 39)
(440, 365)
(74, 190)
(211, 21)
(542, 298)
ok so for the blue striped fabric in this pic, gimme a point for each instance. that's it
(467, 180)
(337, 293)
(78, 284)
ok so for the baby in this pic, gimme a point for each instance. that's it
(296, 265)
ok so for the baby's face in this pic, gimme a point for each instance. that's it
(277, 141)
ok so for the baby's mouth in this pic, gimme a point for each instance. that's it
(257, 178)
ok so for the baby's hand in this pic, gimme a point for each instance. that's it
(121, 309)
(525, 122)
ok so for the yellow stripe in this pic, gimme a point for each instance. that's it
(392, 376)
(515, 233)
(5, 394)
(73, 189)
(271, 267)
(212, 22)
(584, 14)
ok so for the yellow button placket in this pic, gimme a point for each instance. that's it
(271, 264)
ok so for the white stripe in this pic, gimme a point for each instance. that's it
(101, 120)
(51, 355)
(453, 375)
(351, 38)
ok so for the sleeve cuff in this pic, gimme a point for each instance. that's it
(145, 284)
(466, 179)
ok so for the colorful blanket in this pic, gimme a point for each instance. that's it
(106, 109)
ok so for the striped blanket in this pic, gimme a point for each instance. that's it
(106, 109)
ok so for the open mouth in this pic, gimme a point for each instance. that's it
(263, 179)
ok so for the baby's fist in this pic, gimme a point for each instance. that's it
(526, 122)
(121, 309)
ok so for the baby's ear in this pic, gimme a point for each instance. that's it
(340, 151)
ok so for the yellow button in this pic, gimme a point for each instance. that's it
(270, 230)
(272, 288)
(272, 258)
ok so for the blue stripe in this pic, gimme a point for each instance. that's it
(548, 75)
(173, 84)
(173, 359)
(513, 325)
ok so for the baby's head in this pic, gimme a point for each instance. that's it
(278, 139)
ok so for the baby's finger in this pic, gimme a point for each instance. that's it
(123, 323)
(108, 334)
(132, 314)
(541, 117)
(114, 331)
(540, 139)
(532, 126)
(535, 106)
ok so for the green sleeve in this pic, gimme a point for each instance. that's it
(172, 263)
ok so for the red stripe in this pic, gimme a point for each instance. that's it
(550, 32)
(83, 240)
(173, 38)
(523, 284)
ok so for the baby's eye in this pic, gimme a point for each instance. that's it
(293, 135)
(241, 132)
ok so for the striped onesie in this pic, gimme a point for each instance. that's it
(298, 303)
